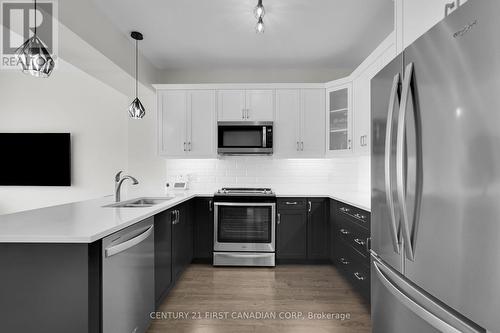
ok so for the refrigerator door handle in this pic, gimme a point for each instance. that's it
(407, 95)
(422, 305)
(393, 104)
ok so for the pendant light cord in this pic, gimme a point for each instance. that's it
(136, 69)
(35, 17)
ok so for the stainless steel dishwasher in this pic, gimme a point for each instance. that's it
(128, 279)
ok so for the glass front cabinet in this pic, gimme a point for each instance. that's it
(339, 120)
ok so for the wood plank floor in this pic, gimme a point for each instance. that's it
(252, 292)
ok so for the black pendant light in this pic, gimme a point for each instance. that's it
(33, 56)
(136, 109)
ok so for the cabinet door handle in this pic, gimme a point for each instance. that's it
(359, 276)
(279, 218)
(349, 144)
(210, 205)
(344, 209)
(344, 231)
(184, 146)
(361, 141)
(173, 217)
(291, 203)
(309, 206)
(302, 145)
(343, 261)
(189, 146)
(360, 241)
(298, 146)
(176, 217)
(364, 140)
(359, 216)
(368, 244)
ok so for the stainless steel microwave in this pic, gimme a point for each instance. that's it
(245, 137)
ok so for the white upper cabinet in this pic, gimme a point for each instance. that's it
(339, 119)
(172, 106)
(201, 123)
(418, 16)
(231, 105)
(246, 105)
(287, 127)
(362, 100)
(312, 143)
(300, 123)
(187, 123)
(260, 105)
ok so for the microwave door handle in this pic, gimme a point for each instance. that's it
(264, 139)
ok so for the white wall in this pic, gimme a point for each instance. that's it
(85, 19)
(69, 101)
(143, 160)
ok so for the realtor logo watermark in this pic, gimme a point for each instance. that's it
(18, 25)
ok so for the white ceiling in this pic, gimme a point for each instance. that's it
(211, 34)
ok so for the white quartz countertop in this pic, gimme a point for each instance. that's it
(88, 221)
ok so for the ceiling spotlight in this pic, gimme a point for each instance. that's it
(259, 10)
(136, 109)
(259, 28)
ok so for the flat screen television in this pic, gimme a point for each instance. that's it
(35, 159)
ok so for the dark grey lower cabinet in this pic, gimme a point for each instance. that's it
(50, 287)
(302, 230)
(318, 229)
(333, 229)
(163, 254)
(351, 238)
(291, 233)
(182, 239)
(203, 229)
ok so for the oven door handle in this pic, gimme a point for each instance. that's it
(245, 204)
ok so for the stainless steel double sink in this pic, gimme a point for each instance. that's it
(139, 202)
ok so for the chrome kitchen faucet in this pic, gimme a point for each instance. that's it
(119, 181)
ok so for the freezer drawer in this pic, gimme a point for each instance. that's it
(128, 279)
(399, 306)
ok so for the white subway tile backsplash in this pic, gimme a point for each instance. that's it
(351, 174)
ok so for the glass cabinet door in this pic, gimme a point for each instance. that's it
(339, 120)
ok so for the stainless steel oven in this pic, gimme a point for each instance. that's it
(244, 227)
(244, 137)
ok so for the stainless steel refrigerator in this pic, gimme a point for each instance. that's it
(436, 179)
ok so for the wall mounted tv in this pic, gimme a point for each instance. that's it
(35, 159)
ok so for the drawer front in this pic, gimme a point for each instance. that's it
(292, 203)
(354, 214)
(356, 271)
(354, 236)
